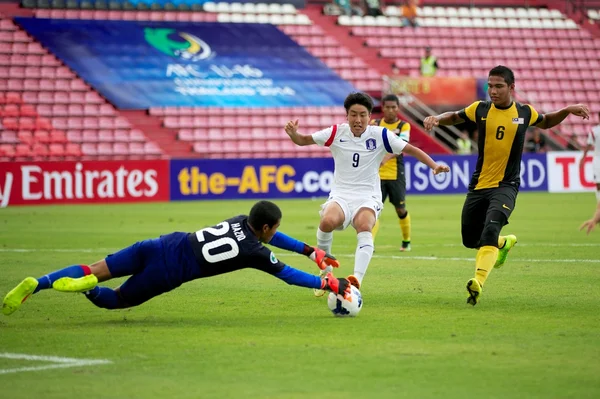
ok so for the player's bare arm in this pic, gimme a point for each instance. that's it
(445, 119)
(554, 118)
(387, 157)
(291, 128)
(589, 225)
(585, 151)
(426, 159)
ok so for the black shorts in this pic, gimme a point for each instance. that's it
(480, 204)
(396, 189)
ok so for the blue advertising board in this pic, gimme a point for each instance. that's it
(194, 179)
(142, 64)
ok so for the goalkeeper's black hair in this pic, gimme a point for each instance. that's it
(264, 212)
(358, 98)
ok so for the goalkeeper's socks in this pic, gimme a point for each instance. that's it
(104, 297)
(324, 240)
(363, 255)
(484, 262)
(74, 271)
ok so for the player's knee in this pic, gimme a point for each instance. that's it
(492, 228)
(328, 224)
(401, 212)
(470, 241)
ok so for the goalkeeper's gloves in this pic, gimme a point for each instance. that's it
(339, 286)
(322, 258)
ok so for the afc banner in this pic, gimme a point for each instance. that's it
(76, 182)
(142, 64)
(313, 177)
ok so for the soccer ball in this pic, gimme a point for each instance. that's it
(341, 307)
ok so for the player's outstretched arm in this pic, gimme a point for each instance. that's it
(555, 118)
(426, 159)
(445, 119)
(320, 257)
(297, 277)
(291, 128)
(589, 225)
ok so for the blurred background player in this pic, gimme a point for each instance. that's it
(355, 198)
(502, 124)
(590, 224)
(159, 265)
(391, 172)
(593, 140)
(463, 143)
(429, 64)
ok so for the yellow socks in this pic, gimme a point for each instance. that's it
(484, 262)
(405, 226)
(501, 241)
(375, 229)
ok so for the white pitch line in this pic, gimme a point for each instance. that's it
(431, 258)
(86, 250)
(442, 258)
(59, 362)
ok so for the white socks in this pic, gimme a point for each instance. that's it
(597, 195)
(364, 252)
(324, 240)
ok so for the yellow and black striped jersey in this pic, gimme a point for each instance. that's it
(500, 141)
(389, 170)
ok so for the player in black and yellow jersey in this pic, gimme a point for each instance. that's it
(391, 172)
(493, 190)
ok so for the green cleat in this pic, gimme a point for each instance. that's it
(474, 289)
(405, 246)
(511, 241)
(14, 299)
(81, 284)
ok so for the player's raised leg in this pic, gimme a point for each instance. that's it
(505, 244)
(332, 217)
(363, 222)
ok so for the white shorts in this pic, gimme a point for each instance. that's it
(350, 207)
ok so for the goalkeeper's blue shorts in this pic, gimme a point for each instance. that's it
(155, 267)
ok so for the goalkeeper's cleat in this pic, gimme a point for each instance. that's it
(511, 240)
(405, 246)
(474, 289)
(353, 281)
(323, 274)
(81, 284)
(18, 295)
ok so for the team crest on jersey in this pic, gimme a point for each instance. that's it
(518, 121)
(371, 144)
(273, 258)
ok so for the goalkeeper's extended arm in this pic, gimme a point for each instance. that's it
(298, 277)
(320, 257)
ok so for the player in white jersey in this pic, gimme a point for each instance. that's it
(357, 149)
(594, 141)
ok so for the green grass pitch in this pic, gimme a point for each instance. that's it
(534, 334)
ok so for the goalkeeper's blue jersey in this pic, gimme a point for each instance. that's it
(228, 246)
